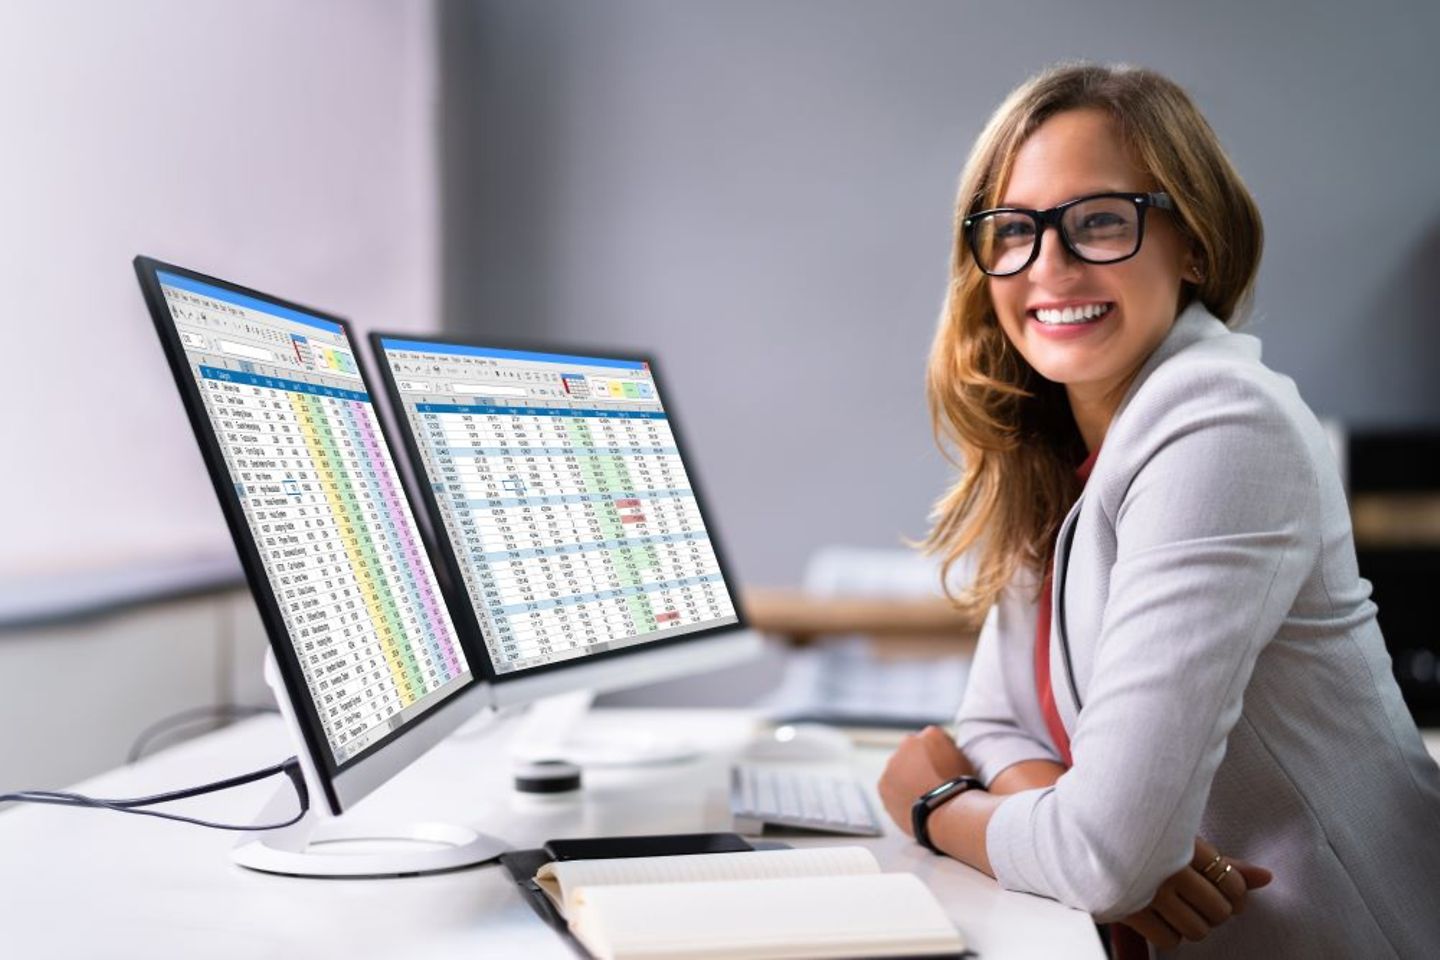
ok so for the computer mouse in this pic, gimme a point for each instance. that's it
(799, 742)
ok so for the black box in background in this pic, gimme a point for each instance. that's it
(1394, 486)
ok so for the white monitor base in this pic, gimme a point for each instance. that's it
(552, 730)
(319, 846)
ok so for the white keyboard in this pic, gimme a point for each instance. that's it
(763, 796)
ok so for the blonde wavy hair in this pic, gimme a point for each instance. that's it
(1008, 429)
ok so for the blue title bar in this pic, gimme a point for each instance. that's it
(421, 346)
(281, 383)
(241, 300)
(498, 409)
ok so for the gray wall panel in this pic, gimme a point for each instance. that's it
(760, 193)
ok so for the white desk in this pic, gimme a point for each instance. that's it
(84, 883)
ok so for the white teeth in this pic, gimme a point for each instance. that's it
(1082, 314)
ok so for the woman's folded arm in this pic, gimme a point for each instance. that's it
(1214, 537)
(988, 727)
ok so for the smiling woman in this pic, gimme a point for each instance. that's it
(997, 364)
(1176, 630)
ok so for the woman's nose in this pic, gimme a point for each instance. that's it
(1054, 261)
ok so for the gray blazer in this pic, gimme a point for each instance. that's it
(1218, 667)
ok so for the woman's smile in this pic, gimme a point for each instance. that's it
(1070, 320)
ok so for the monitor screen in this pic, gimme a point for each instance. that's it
(569, 514)
(323, 510)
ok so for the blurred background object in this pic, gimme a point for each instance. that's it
(865, 640)
(1394, 487)
(758, 193)
(882, 647)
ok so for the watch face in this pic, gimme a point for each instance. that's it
(948, 788)
(941, 790)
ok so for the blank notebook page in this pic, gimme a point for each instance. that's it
(892, 914)
(761, 864)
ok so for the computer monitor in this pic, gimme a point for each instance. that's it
(568, 512)
(367, 665)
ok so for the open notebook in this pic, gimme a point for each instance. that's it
(822, 902)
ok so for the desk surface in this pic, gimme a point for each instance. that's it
(94, 883)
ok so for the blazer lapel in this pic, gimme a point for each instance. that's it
(1062, 667)
(1193, 325)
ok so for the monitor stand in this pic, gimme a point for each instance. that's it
(319, 846)
(322, 844)
(552, 729)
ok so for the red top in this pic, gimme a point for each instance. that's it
(1042, 645)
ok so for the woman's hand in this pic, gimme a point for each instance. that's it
(923, 761)
(1188, 906)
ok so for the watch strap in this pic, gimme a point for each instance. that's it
(933, 799)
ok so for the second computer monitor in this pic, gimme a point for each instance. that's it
(569, 516)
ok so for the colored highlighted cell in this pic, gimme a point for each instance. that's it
(340, 494)
(402, 546)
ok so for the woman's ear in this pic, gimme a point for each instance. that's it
(1195, 268)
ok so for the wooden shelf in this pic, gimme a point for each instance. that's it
(1396, 520)
(900, 624)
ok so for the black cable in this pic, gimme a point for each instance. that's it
(290, 767)
(185, 718)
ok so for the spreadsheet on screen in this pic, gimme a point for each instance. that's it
(320, 493)
(561, 488)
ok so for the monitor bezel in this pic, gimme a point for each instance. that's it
(595, 664)
(342, 784)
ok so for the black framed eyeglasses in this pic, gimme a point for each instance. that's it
(1100, 228)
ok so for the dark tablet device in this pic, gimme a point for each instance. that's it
(660, 845)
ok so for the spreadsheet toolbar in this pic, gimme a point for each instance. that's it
(564, 498)
(320, 493)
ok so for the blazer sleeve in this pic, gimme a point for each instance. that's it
(999, 722)
(1214, 537)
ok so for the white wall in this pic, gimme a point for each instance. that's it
(288, 146)
(74, 698)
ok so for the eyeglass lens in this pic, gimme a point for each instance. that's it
(1099, 230)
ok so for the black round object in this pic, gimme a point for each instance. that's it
(547, 776)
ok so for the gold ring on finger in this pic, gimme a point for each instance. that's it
(1204, 872)
(1218, 879)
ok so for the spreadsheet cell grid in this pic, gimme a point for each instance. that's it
(576, 526)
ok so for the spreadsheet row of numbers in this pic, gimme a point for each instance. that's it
(574, 530)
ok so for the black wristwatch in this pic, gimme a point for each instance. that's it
(920, 812)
